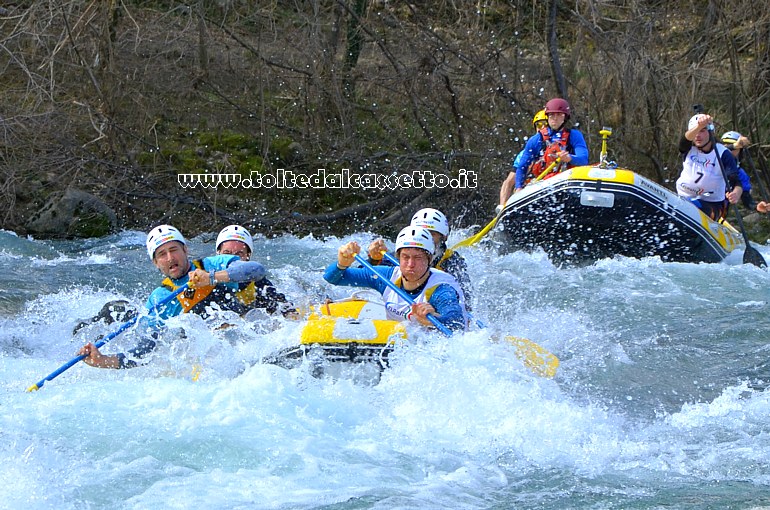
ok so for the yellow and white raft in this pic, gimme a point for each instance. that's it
(593, 212)
(353, 330)
(356, 330)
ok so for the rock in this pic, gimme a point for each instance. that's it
(73, 213)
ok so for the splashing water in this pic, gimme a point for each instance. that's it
(660, 400)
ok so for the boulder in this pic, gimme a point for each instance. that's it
(73, 213)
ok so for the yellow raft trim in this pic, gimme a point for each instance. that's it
(349, 308)
(321, 331)
(597, 173)
(726, 235)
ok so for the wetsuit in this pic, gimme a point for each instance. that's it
(746, 197)
(702, 180)
(441, 290)
(263, 294)
(576, 146)
(223, 295)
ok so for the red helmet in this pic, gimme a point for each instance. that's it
(557, 105)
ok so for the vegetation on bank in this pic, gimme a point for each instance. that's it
(118, 99)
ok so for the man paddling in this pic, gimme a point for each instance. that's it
(706, 165)
(554, 143)
(449, 261)
(433, 291)
(210, 281)
(236, 240)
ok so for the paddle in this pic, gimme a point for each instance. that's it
(605, 133)
(750, 255)
(535, 357)
(547, 170)
(104, 340)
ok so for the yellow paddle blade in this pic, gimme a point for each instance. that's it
(197, 370)
(32, 388)
(476, 238)
(535, 357)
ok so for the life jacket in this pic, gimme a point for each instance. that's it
(247, 294)
(196, 300)
(263, 294)
(702, 177)
(398, 308)
(549, 154)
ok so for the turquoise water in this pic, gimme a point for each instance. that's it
(660, 401)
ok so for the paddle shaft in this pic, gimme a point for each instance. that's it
(104, 340)
(401, 292)
(750, 254)
(547, 170)
(477, 237)
(539, 360)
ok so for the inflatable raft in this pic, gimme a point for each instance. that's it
(589, 213)
(353, 330)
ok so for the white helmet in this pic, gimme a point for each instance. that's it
(694, 122)
(235, 233)
(431, 219)
(160, 236)
(415, 237)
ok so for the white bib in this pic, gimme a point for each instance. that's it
(399, 309)
(702, 176)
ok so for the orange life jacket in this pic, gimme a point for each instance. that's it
(550, 153)
(196, 300)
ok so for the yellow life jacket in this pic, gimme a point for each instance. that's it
(248, 294)
(196, 300)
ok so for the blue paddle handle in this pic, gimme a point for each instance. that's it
(106, 339)
(392, 259)
(398, 290)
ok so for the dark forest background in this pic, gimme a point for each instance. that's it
(112, 99)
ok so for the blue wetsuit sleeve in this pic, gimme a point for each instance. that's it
(448, 309)
(240, 271)
(358, 276)
(525, 158)
(744, 178)
(579, 148)
(731, 169)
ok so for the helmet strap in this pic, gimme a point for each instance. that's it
(440, 250)
(427, 270)
(417, 289)
(709, 141)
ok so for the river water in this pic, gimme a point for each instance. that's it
(661, 399)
